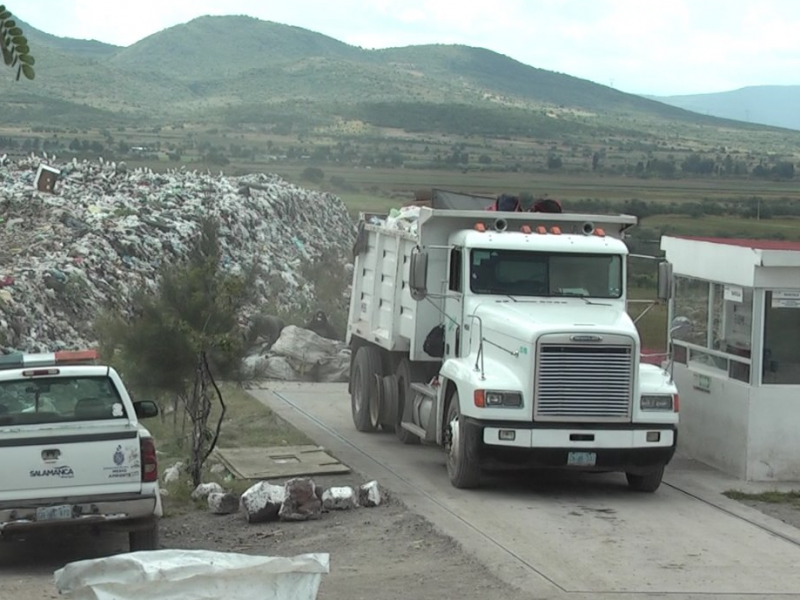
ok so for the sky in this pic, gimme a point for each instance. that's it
(658, 47)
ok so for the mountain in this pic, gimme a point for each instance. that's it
(766, 104)
(238, 69)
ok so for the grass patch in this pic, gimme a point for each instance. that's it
(772, 497)
(248, 423)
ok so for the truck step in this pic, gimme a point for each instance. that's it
(415, 429)
(425, 389)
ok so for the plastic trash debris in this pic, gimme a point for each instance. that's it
(193, 575)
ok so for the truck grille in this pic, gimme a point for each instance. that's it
(579, 382)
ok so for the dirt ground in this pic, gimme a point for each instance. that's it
(788, 513)
(386, 552)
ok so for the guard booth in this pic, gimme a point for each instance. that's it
(734, 317)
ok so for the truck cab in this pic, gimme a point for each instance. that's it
(539, 361)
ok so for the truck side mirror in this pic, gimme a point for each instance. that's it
(418, 275)
(664, 281)
(145, 409)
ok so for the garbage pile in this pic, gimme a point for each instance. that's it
(105, 230)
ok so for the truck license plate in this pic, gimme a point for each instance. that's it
(54, 513)
(581, 459)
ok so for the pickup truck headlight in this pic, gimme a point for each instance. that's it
(657, 402)
(485, 398)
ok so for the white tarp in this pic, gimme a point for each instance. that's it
(193, 575)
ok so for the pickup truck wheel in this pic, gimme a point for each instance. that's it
(648, 482)
(144, 539)
(461, 445)
(367, 371)
(405, 377)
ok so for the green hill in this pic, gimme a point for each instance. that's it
(238, 69)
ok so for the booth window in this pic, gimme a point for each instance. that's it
(713, 326)
(781, 332)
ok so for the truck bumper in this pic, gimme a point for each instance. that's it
(633, 448)
(124, 513)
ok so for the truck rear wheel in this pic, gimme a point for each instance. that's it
(649, 482)
(367, 372)
(461, 445)
(144, 539)
(405, 377)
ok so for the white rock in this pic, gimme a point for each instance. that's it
(279, 368)
(218, 469)
(223, 503)
(204, 489)
(369, 494)
(339, 498)
(172, 474)
(262, 502)
(304, 346)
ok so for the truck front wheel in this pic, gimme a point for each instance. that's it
(367, 372)
(649, 482)
(461, 445)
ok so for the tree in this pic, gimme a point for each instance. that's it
(554, 162)
(14, 46)
(176, 337)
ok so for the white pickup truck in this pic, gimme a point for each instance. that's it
(72, 450)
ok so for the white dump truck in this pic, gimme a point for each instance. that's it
(504, 338)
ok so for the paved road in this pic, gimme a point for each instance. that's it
(571, 536)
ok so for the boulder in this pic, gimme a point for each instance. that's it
(339, 498)
(304, 347)
(262, 502)
(369, 494)
(301, 501)
(223, 503)
(204, 489)
(279, 368)
(173, 473)
(335, 369)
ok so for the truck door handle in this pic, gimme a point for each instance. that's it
(51, 454)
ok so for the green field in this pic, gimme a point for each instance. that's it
(787, 228)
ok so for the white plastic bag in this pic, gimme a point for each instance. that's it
(193, 575)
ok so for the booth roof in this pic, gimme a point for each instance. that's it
(745, 243)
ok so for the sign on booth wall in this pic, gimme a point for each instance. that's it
(786, 299)
(734, 293)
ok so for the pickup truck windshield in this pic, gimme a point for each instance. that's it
(59, 400)
(524, 273)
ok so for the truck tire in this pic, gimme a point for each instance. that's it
(649, 482)
(405, 375)
(144, 539)
(367, 372)
(461, 445)
(388, 412)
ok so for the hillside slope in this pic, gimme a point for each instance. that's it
(774, 105)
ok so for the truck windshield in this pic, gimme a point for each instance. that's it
(523, 273)
(59, 400)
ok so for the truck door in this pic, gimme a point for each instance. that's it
(454, 305)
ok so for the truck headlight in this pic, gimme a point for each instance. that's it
(656, 402)
(497, 398)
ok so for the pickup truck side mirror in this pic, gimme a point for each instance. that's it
(145, 409)
(664, 281)
(418, 275)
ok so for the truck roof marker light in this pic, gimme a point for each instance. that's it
(76, 356)
(600, 232)
(541, 229)
(480, 398)
(525, 229)
(555, 230)
(480, 227)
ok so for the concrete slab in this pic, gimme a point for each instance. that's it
(570, 535)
